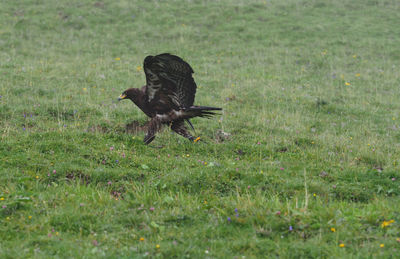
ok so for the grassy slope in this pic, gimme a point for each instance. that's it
(328, 153)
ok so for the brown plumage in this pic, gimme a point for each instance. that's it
(168, 96)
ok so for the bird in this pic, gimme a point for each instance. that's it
(168, 96)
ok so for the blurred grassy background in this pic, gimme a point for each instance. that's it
(310, 93)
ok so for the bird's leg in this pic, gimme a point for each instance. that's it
(154, 127)
(180, 128)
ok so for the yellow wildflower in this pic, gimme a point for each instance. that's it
(347, 83)
(29, 217)
(382, 245)
(57, 233)
(358, 74)
(342, 245)
(37, 176)
(117, 59)
(138, 68)
(354, 56)
(1, 199)
(158, 246)
(205, 202)
(141, 239)
(387, 223)
(333, 229)
(315, 195)
(85, 89)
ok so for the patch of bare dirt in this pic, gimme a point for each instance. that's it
(222, 136)
(99, 4)
(135, 127)
(98, 128)
(282, 149)
(78, 176)
(63, 16)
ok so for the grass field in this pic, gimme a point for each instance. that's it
(310, 92)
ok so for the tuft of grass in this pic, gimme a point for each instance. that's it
(310, 99)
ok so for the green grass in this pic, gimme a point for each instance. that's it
(310, 92)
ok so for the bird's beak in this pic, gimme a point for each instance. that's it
(121, 97)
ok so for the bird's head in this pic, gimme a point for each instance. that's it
(128, 94)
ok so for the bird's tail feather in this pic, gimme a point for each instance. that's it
(201, 111)
(204, 108)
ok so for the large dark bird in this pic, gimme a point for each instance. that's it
(168, 96)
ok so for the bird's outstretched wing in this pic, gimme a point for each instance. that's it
(168, 76)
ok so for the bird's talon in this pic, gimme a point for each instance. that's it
(148, 139)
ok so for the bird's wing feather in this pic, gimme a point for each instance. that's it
(169, 76)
